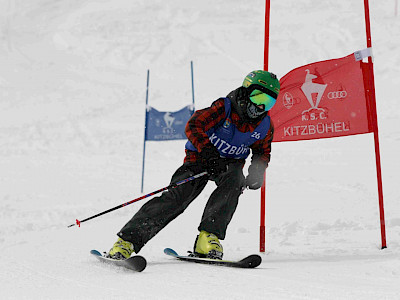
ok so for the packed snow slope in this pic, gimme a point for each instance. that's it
(72, 104)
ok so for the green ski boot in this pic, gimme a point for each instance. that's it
(207, 245)
(121, 250)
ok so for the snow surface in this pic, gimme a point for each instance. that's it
(72, 102)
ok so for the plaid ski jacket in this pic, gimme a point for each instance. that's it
(204, 119)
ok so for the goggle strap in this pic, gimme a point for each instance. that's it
(262, 89)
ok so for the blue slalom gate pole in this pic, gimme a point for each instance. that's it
(145, 129)
(191, 71)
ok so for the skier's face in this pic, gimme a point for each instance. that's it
(262, 100)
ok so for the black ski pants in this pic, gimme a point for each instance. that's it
(159, 211)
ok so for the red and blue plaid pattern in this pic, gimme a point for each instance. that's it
(205, 119)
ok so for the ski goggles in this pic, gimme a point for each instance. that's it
(259, 97)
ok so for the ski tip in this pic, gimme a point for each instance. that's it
(170, 251)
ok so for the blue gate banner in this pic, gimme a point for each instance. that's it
(163, 126)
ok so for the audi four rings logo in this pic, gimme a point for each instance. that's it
(337, 95)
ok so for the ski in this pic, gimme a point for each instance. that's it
(250, 261)
(136, 263)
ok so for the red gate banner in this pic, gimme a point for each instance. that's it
(322, 100)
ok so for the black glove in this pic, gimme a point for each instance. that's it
(213, 162)
(255, 178)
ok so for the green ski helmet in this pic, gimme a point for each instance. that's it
(262, 89)
(265, 80)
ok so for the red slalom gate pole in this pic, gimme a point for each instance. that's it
(262, 220)
(266, 40)
(173, 185)
(371, 91)
(266, 54)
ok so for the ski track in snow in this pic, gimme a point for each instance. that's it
(72, 102)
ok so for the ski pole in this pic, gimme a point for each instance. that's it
(171, 186)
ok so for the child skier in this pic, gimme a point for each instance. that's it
(219, 140)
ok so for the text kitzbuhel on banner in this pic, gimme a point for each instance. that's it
(164, 126)
(323, 99)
